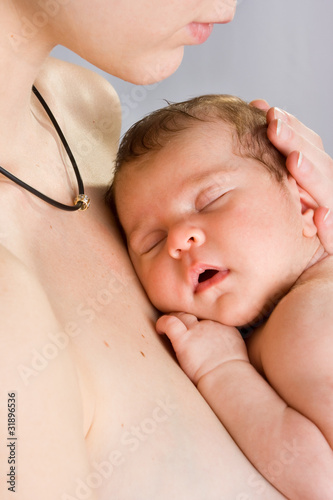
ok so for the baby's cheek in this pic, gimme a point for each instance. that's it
(150, 285)
(157, 292)
(163, 302)
(161, 290)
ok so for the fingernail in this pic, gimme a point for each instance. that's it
(328, 217)
(282, 131)
(300, 159)
(278, 113)
(278, 127)
(303, 164)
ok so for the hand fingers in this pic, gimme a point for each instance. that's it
(299, 129)
(323, 219)
(308, 163)
(170, 325)
(260, 104)
(189, 320)
(315, 178)
(286, 139)
(316, 168)
(175, 325)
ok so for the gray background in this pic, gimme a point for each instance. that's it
(279, 50)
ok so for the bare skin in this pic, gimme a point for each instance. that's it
(103, 409)
(228, 214)
(304, 151)
(285, 432)
(110, 401)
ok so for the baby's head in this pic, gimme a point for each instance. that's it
(213, 223)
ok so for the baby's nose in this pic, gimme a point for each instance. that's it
(182, 238)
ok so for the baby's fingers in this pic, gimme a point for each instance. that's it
(176, 323)
(172, 326)
(175, 326)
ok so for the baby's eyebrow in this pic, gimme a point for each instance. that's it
(222, 173)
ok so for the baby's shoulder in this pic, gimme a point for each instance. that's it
(299, 329)
(314, 289)
(307, 308)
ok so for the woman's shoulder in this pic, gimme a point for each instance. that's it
(78, 84)
(89, 113)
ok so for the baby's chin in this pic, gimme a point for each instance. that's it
(242, 317)
(247, 329)
(246, 324)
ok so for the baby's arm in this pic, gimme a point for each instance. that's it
(297, 353)
(286, 447)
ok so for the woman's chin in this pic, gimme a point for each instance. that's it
(152, 71)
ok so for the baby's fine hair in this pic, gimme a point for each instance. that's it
(247, 122)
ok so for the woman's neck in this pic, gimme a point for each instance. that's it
(21, 57)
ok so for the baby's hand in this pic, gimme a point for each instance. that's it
(201, 346)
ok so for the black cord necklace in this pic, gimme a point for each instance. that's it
(81, 202)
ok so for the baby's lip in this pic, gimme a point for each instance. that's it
(204, 276)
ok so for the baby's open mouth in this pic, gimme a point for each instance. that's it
(206, 275)
(208, 278)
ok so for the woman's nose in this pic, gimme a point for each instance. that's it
(182, 238)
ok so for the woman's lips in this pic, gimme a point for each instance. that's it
(200, 31)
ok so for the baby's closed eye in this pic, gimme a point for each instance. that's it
(151, 241)
(210, 196)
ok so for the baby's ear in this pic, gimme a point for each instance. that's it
(307, 206)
